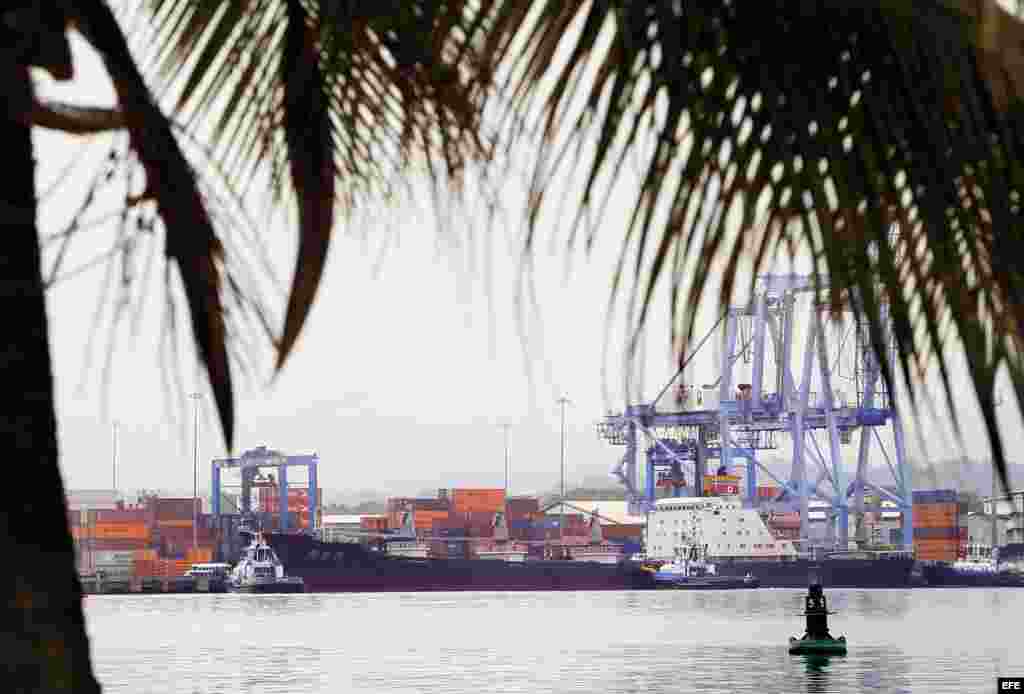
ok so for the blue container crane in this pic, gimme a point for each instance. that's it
(250, 464)
(726, 420)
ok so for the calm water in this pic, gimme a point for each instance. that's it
(927, 641)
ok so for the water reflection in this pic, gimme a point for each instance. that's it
(816, 666)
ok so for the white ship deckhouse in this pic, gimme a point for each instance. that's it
(729, 530)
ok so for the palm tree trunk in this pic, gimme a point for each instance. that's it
(43, 644)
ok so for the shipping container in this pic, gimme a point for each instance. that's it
(168, 509)
(935, 496)
(425, 519)
(402, 503)
(121, 531)
(479, 500)
(520, 507)
(114, 544)
(375, 523)
(134, 516)
(108, 558)
(200, 555)
(721, 484)
(622, 532)
(936, 533)
(631, 547)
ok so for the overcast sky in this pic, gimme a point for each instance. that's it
(400, 378)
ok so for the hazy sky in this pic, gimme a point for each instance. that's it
(399, 380)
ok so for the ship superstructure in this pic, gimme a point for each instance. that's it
(722, 525)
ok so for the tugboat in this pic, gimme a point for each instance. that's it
(260, 571)
(691, 571)
(817, 640)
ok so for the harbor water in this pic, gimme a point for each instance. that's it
(955, 641)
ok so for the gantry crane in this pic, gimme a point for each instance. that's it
(725, 420)
(250, 464)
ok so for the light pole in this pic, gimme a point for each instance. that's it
(195, 471)
(562, 401)
(505, 426)
(114, 461)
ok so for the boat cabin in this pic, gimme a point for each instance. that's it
(209, 570)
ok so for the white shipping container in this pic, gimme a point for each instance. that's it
(92, 499)
(113, 557)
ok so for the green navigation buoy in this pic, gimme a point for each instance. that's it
(817, 639)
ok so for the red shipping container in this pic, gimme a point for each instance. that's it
(622, 531)
(171, 509)
(521, 507)
(123, 516)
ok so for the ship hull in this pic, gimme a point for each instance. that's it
(944, 575)
(710, 583)
(351, 568)
(346, 567)
(831, 573)
(267, 588)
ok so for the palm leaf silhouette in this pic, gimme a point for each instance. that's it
(813, 127)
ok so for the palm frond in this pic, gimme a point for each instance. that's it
(191, 241)
(309, 138)
(386, 83)
(818, 126)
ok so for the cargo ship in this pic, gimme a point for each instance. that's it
(739, 543)
(736, 539)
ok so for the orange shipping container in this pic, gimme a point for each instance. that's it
(176, 523)
(200, 555)
(469, 500)
(120, 531)
(145, 555)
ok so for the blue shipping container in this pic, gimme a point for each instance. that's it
(631, 547)
(935, 496)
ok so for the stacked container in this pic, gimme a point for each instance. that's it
(426, 511)
(517, 508)
(269, 501)
(373, 523)
(623, 532)
(936, 525)
(477, 500)
(721, 485)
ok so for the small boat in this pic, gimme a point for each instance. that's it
(210, 577)
(260, 571)
(817, 639)
(691, 571)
